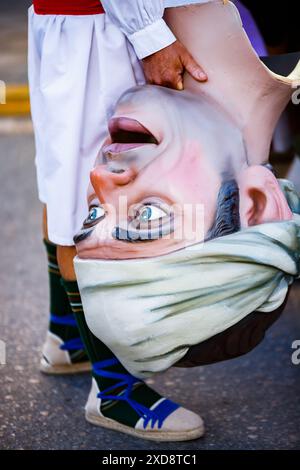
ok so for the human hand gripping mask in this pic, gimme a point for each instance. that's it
(191, 243)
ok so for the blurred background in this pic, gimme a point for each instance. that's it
(13, 40)
(248, 403)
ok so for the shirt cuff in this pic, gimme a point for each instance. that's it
(152, 38)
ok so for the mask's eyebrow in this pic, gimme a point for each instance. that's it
(93, 200)
(132, 234)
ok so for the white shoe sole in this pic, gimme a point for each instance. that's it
(158, 435)
(62, 369)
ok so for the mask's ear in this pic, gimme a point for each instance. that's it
(261, 198)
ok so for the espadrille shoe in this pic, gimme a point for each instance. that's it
(163, 421)
(59, 357)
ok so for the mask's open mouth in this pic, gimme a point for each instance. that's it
(127, 134)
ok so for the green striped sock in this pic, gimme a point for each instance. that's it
(97, 351)
(60, 305)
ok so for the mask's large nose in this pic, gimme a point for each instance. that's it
(106, 183)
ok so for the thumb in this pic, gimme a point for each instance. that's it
(193, 68)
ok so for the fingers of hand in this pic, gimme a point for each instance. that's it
(166, 73)
(193, 68)
(166, 67)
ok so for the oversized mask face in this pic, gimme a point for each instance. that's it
(169, 178)
(189, 231)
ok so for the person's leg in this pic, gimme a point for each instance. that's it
(65, 257)
(118, 400)
(62, 351)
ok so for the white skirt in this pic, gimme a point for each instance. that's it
(78, 67)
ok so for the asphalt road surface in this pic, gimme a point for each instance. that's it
(248, 403)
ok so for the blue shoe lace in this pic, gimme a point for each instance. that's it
(68, 320)
(158, 415)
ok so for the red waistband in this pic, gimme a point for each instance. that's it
(67, 7)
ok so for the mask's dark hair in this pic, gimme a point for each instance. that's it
(227, 218)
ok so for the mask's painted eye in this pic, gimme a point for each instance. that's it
(148, 220)
(96, 213)
(150, 213)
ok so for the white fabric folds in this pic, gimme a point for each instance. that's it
(78, 68)
(150, 311)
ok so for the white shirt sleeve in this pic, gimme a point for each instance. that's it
(141, 21)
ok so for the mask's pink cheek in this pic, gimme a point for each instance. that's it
(194, 181)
